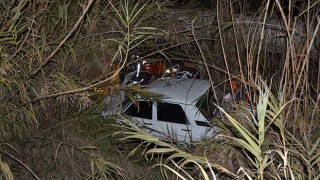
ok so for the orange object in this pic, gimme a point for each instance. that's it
(247, 99)
(147, 67)
(158, 68)
(233, 86)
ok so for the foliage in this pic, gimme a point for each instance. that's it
(278, 143)
(166, 153)
(48, 79)
(56, 55)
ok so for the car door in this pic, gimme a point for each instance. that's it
(200, 126)
(171, 120)
(141, 113)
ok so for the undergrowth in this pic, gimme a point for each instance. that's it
(59, 59)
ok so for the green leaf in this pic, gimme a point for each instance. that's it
(6, 171)
(244, 132)
(180, 155)
(315, 147)
(252, 149)
(160, 150)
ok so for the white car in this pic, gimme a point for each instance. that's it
(182, 113)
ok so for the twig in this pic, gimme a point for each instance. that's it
(207, 67)
(46, 61)
(223, 49)
(261, 40)
(21, 163)
(66, 144)
(71, 91)
(318, 98)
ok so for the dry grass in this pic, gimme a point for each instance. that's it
(55, 53)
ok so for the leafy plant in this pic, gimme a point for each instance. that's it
(165, 153)
(55, 55)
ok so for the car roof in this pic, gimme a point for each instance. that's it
(183, 91)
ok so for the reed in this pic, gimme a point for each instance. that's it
(279, 143)
(54, 55)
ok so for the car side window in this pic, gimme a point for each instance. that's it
(206, 104)
(171, 113)
(143, 110)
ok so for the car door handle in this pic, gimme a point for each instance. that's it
(147, 124)
(188, 130)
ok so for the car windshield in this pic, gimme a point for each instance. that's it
(207, 103)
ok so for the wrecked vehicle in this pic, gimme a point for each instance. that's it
(186, 108)
(182, 114)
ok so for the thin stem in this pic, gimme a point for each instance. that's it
(223, 50)
(21, 163)
(46, 61)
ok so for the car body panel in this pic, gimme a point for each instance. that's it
(184, 91)
(176, 115)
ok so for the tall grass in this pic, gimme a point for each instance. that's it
(279, 135)
(55, 53)
(43, 88)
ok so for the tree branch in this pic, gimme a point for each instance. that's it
(46, 61)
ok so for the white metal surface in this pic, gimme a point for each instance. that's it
(184, 91)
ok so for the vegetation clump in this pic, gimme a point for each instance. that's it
(59, 59)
